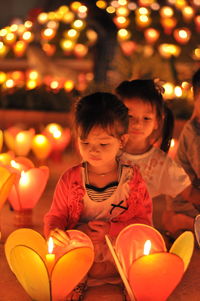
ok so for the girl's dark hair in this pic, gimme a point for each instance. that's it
(104, 110)
(150, 92)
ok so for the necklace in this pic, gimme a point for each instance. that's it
(102, 174)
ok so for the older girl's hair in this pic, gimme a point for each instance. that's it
(104, 110)
(150, 92)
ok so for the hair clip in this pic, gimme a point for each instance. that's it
(159, 85)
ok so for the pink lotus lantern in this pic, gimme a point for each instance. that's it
(48, 276)
(19, 140)
(28, 188)
(59, 138)
(148, 271)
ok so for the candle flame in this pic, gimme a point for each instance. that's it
(14, 164)
(147, 247)
(50, 245)
(24, 180)
(172, 144)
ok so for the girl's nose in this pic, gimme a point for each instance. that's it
(136, 122)
(93, 149)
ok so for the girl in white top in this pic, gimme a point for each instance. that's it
(147, 122)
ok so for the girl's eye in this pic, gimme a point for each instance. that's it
(84, 143)
(147, 118)
(130, 116)
(104, 144)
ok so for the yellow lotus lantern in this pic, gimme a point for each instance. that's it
(148, 271)
(41, 147)
(29, 186)
(18, 140)
(7, 179)
(44, 277)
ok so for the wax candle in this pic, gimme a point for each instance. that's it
(50, 257)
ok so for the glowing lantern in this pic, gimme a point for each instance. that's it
(182, 35)
(18, 140)
(123, 34)
(166, 12)
(188, 13)
(5, 158)
(28, 36)
(151, 35)
(3, 49)
(168, 50)
(19, 48)
(41, 147)
(48, 34)
(7, 179)
(168, 24)
(169, 90)
(145, 265)
(59, 138)
(143, 21)
(128, 47)
(46, 277)
(10, 38)
(27, 190)
(49, 49)
(197, 23)
(80, 50)
(69, 85)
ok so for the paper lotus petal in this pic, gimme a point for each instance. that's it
(31, 272)
(25, 252)
(7, 180)
(197, 228)
(26, 193)
(5, 158)
(183, 247)
(130, 243)
(155, 276)
(69, 270)
(149, 275)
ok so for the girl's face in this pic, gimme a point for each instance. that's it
(99, 148)
(142, 118)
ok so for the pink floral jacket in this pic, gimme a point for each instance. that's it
(68, 203)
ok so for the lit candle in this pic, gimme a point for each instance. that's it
(151, 276)
(50, 257)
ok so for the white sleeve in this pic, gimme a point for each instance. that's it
(174, 179)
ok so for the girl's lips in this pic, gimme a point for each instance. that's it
(136, 132)
(95, 158)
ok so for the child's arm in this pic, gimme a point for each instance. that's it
(139, 206)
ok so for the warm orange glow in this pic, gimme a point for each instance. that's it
(24, 180)
(172, 144)
(147, 247)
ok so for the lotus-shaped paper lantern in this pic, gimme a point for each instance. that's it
(59, 138)
(41, 147)
(47, 278)
(29, 186)
(19, 140)
(148, 271)
(5, 158)
(197, 228)
(7, 179)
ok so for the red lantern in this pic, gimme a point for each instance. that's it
(182, 35)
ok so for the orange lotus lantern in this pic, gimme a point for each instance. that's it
(5, 158)
(19, 48)
(58, 137)
(151, 35)
(182, 35)
(168, 24)
(19, 140)
(29, 186)
(44, 277)
(148, 271)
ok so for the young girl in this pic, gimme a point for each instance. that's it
(99, 196)
(161, 174)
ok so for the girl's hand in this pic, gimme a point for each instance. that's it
(98, 230)
(60, 237)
